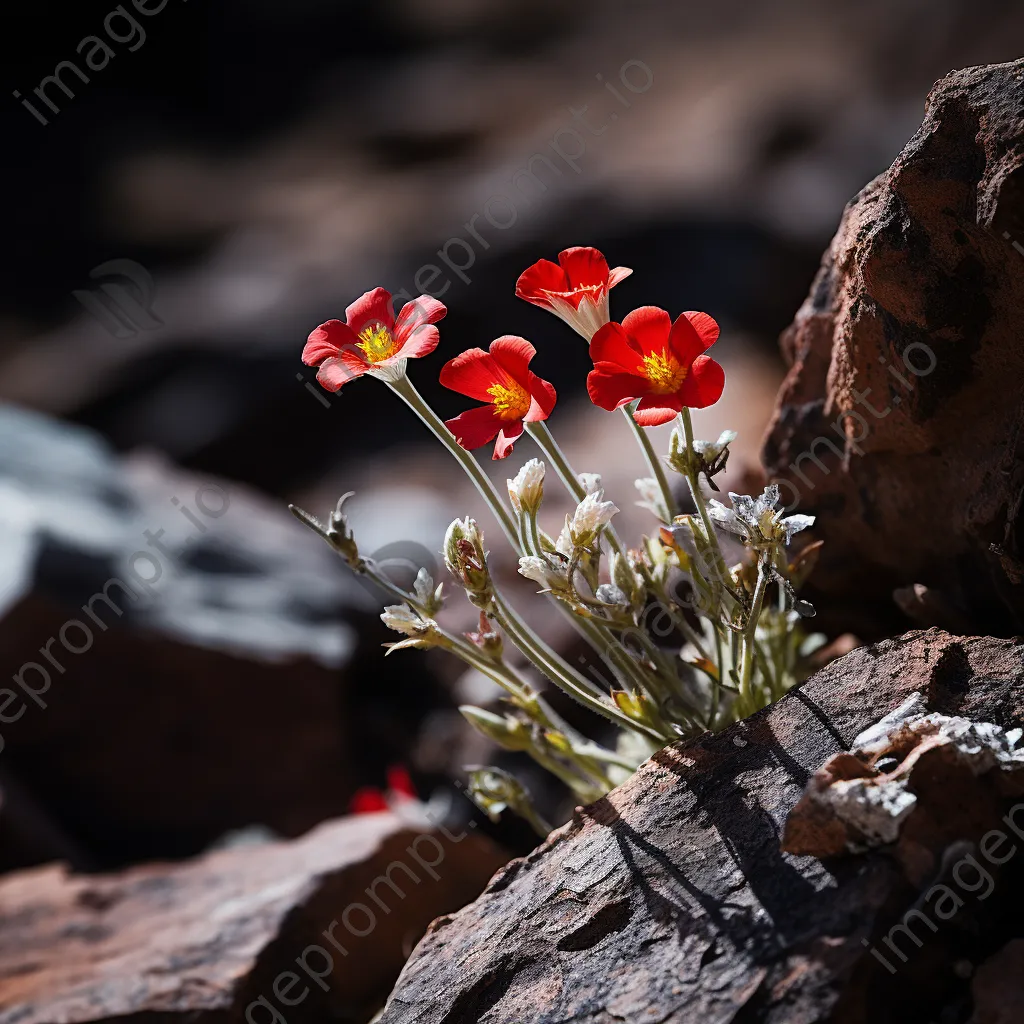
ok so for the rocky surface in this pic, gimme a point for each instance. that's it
(901, 422)
(672, 901)
(309, 929)
(178, 657)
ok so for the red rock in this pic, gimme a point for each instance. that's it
(900, 424)
(227, 934)
(671, 900)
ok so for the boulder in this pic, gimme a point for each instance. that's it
(900, 424)
(306, 930)
(672, 900)
(178, 656)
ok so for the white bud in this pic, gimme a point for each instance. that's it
(591, 516)
(526, 491)
(541, 571)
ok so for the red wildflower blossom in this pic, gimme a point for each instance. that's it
(502, 379)
(370, 799)
(660, 362)
(575, 288)
(372, 340)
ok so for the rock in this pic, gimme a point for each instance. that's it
(314, 927)
(179, 654)
(900, 423)
(998, 994)
(671, 900)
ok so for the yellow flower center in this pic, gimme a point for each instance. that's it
(511, 402)
(664, 372)
(377, 343)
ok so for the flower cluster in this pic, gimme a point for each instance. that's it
(722, 649)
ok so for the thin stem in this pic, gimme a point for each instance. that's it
(653, 463)
(693, 479)
(560, 673)
(404, 388)
(747, 653)
(549, 446)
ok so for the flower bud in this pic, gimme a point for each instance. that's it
(430, 597)
(526, 491)
(592, 515)
(609, 593)
(494, 791)
(466, 560)
(339, 534)
(422, 633)
(627, 579)
(650, 497)
(506, 731)
(541, 571)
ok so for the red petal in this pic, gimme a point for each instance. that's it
(507, 437)
(339, 370)
(618, 274)
(424, 310)
(369, 308)
(610, 389)
(543, 397)
(367, 801)
(400, 781)
(611, 344)
(706, 326)
(584, 265)
(685, 342)
(419, 343)
(704, 384)
(657, 409)
(475, 427)
(649, 327)
(543, 276)
(471, 373)
(325, 342)
(513, 355)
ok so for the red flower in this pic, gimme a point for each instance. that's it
(660, 362)
(370, 799)
(575, 288)
(371, 339)
(502, 379)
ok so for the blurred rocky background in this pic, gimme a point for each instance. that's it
(230, 175)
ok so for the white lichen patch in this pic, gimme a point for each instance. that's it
(872, 806)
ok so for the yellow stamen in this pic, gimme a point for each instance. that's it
(377, 343)
(664, 372)
(511, 402)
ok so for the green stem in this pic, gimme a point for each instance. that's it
(563, 675)
(407, 392)
(549, 446)
(653, 463)
(747, 652)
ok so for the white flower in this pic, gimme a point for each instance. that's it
(430, 597)
(591, 516)
(710, 450)
(541, 571)
(402, 619)
(420, 632)
(609, 593)
(650, 496)
(527, 489)
(591, 482)
(756, 519)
